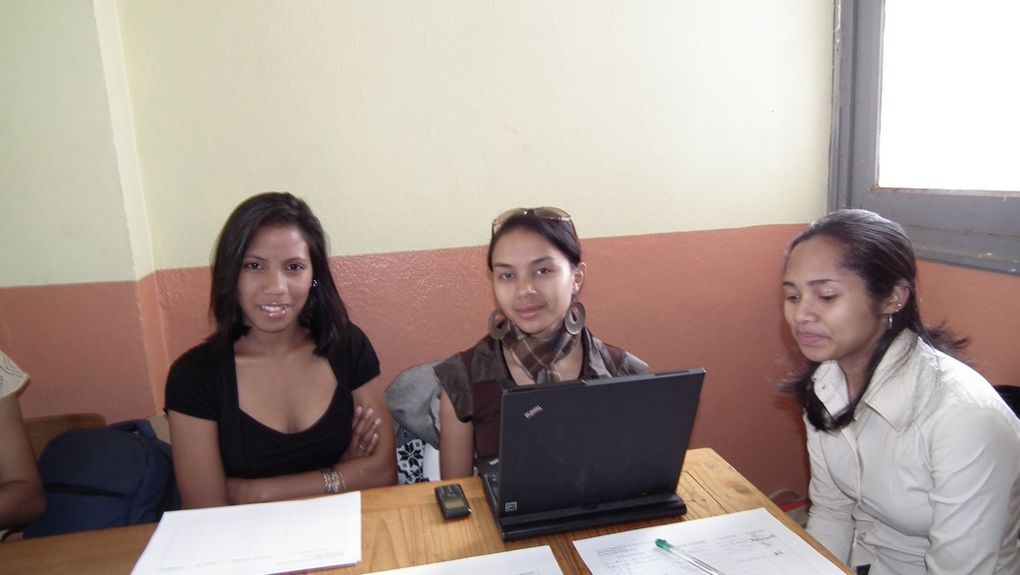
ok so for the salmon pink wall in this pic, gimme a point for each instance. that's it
(677, 300)
(82, 346)
(982, 306)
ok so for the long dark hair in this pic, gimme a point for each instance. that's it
(324, 314)
(877, 250)
(558, 232)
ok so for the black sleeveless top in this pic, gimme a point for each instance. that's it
(203, 383)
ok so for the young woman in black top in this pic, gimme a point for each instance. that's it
(284, 399)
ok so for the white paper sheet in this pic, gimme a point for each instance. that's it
(258, 538)
(744, 543)
(530, 561)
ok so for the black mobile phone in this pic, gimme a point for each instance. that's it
(452, 502)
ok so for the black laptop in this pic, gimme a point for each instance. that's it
(585, 453)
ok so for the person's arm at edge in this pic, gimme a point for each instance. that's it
(22, 500)
(374, 470)
(456, 442)
(198, 466)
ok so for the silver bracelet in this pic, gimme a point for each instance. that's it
(332, 479)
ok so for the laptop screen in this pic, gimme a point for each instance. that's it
(586, 443)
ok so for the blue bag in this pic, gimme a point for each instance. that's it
(106, 477)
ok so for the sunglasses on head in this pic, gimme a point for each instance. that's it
(546, 213)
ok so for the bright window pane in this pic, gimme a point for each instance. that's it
(950, 110)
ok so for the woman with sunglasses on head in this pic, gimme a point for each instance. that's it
(284, 399)
(915, 459)
(537, 334)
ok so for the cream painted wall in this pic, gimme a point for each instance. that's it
(406, 125)
(62, 213)
(409, 125)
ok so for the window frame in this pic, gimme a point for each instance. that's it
(979, 229)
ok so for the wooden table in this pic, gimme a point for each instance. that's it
(401, 526)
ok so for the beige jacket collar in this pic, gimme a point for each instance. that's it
(897, 391)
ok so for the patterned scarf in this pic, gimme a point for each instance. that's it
(539, 357)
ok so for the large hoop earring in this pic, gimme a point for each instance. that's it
(499, 325)
(573, 322)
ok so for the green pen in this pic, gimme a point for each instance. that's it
(686, 557)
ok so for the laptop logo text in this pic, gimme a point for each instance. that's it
(533, 412)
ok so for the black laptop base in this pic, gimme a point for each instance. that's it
(533, 525)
